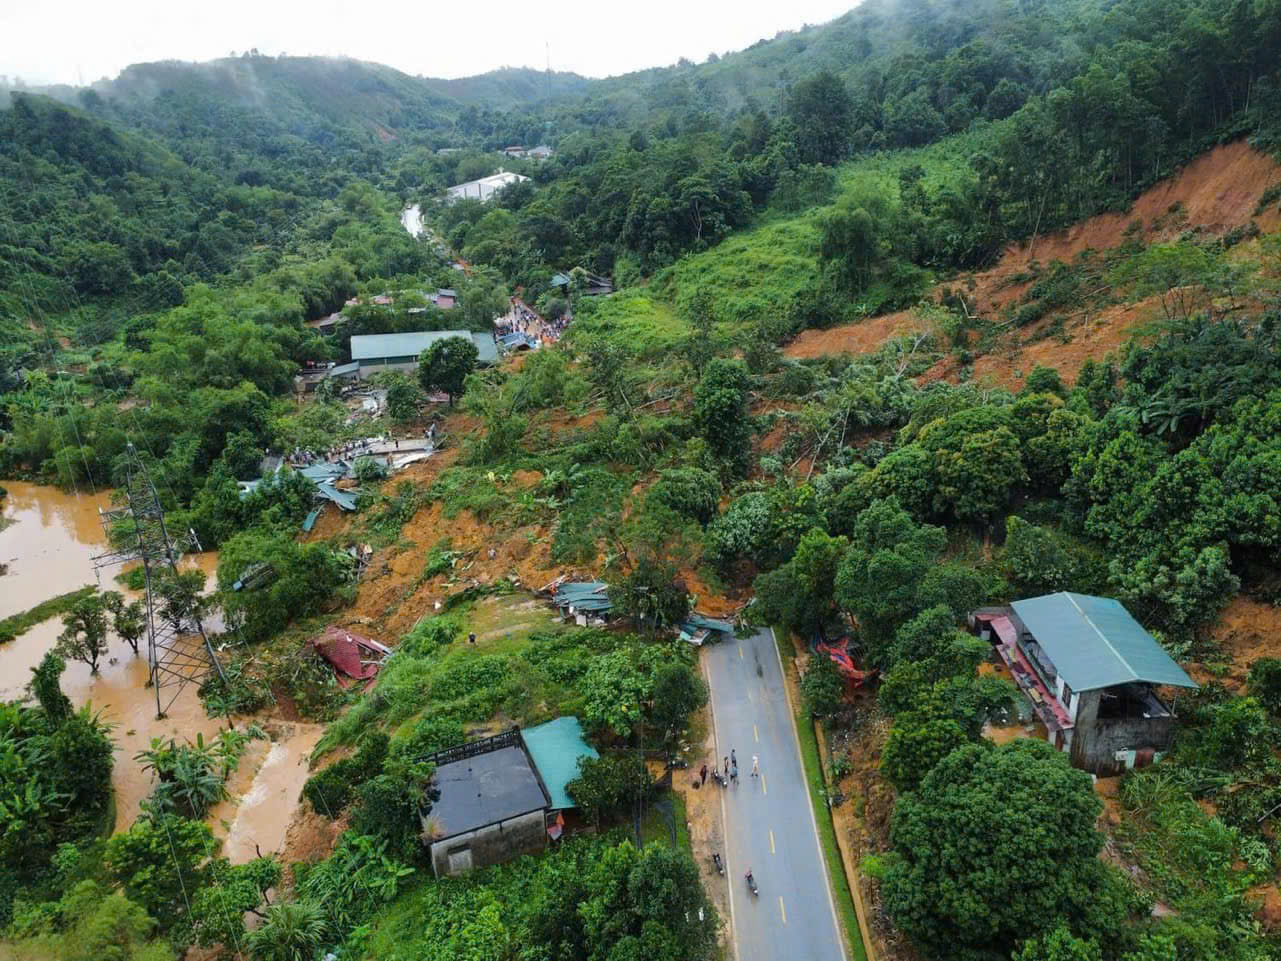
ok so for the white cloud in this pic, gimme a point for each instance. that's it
(79, 41)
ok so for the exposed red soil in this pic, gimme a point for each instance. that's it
(1246, 631)
(1269, 910)
(311, 837)
(1089, 336)
(863, 337)
(1215, 193)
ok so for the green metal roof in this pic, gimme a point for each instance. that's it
(584, 596)
(697, 620)
(556, 747)
(383, 346)
(1095, 643)
(486, 347)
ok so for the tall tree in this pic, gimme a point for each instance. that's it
(823, 111)
(720, 410)
(996, 845)
(445, 365)
(182, 597)
(128, 620)
(84, 631)
(47, 690)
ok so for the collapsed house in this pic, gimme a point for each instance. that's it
(1090, 671)
(594, 285)
(503, 796)
(356, 659)
(699, 629)
(585, 602)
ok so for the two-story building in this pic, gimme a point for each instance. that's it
(1091, 672)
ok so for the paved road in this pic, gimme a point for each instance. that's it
(769, 824)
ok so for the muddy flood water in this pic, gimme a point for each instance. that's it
(48, 539)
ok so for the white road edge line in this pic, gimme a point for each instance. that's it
(729, 872)
(831, 900)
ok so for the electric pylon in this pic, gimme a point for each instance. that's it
(178, 650)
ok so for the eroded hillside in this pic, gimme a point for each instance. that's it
(1226, 198)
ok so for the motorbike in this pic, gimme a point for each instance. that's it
(751, 883)
(720, 865)
(719, 778)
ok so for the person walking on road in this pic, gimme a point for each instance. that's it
(733, 758)
(733, 772)
(727, 767)
(756, 766)
(702, 775)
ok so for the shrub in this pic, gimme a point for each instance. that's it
(822, 687)
(1265, 683)
(688, 491)
(330, 790)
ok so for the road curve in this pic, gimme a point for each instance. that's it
(769, 823)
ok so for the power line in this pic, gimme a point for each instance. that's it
(174, 656)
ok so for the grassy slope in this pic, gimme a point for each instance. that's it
(754, 274)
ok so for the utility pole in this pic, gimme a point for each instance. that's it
(177, 657)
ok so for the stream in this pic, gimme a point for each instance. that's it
(48, 539)
(412, 220)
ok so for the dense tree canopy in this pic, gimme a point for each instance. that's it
(995, 845)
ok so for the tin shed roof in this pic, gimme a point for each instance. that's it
(411, 344)
(1095, 643)
(556, 747)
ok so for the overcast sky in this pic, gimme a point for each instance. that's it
(80, 41)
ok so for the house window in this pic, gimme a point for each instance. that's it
(1067, 697)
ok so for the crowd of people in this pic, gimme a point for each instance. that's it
(525, 320)
(305, 456)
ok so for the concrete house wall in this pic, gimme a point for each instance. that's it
(490, 845)
(1107, 747)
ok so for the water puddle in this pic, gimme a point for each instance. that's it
(48, 539)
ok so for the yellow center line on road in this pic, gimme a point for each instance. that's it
(764, 789)
(782, 910)
(755, 735)
(771, 842)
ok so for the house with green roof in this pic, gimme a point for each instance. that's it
(502, 796)
(556, 748)
(373, 353)
(1091, 673)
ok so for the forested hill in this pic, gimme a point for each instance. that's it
(510, 88)
(919, 69)
(316, 98)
